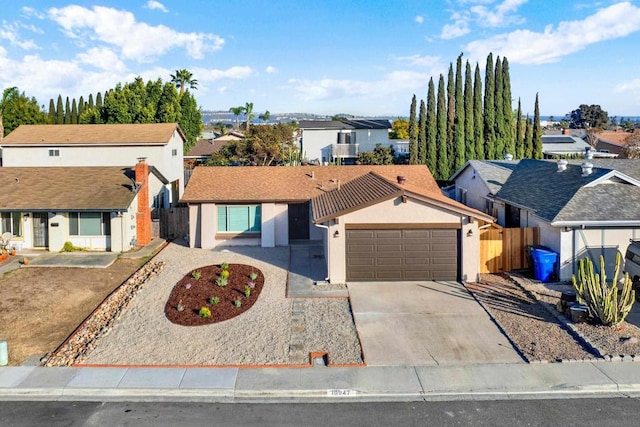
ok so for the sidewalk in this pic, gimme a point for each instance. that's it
(323, 384)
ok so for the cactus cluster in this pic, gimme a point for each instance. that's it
(609, 303)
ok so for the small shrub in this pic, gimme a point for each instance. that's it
(224, 274)
(253, 276)
(247, 291)
(70, 247)
(214, 300)
(180, 307)
(196, 274)
(251, 285)
(224, 266)
(222, 282)
(237, 302)
(205, 313)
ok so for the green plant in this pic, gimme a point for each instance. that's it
(609, 303)
(70, 247)
(253, 276)
(214, 300)
(205, 313)
(196, 274)
(222, 282)
(237, 302)
(224, 274)
(247, 291)
(224, 266)
(180, 307)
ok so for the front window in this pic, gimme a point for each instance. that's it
(89, 224)
(12, 222)
(239, 219)
(54, 153)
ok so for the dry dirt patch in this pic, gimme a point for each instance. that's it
(40, 307)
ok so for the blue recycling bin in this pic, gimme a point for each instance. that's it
(544, 264)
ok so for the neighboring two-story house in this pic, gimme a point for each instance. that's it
(332, 141)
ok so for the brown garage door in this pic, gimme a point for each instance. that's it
(403, 254)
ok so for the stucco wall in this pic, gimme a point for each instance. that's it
(477, 192)
(314, 141)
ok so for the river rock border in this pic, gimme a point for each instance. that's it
(85, 338)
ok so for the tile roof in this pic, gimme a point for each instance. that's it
(243, 184)
(616, 138)
(105, 134)
(28, 189)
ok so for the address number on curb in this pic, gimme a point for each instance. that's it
(340, 392)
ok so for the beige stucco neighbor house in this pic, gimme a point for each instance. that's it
(375, 222)
(161, 144)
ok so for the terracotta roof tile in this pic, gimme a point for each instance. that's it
(245, 184)
(146, 133)
(616, 138)
(65, 188)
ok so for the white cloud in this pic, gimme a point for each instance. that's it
(10, 31)
(500, 15)
(458, 29)
(419, 19)
(222, 90)
(270, 69)
(156, 5)
(529, 47)
(631, 89)
(420, 61)
(102, 58)
(234, 73)
(29, 12)
(136, 40)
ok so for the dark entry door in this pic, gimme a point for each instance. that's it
(40, 230)
(299, 221)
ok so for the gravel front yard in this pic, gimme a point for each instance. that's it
(263, 335)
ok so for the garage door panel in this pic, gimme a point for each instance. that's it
(403, 254)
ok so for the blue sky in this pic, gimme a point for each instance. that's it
(358, 57)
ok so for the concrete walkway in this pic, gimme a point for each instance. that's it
(308, 271)
(322, 384)
(425, 323)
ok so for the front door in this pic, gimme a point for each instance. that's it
(40, 229)
(299, 221)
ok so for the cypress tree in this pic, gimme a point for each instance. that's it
(432, 129)
(67, 112)
(470, 146)
(422, 134)
(90, 102)
(74, 112)
(99, 107)
(51, 114)
(499, 111)
(81, 107)
(458, 130)
(478, 118)
(451, 117)
(519, 137)
(528, 139)
(443, 170)
(489, 112)
(507, 108)
(537, 132)
(59, 111)
(413, 133)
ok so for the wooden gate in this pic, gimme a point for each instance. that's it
(504, 249)
(174, 222)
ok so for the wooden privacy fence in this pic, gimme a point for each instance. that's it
(504, 249)
(174, 222)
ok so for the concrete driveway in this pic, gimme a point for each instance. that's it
(425, 323)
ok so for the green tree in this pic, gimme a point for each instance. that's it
(470, 146)
(17, 109)
(67, 112)
(519, 138)
(422, 134)
(499, 110)
(90, 116)
(528, 139)
(478, 117)
(190, 120)
(458, 129)
(432, 129)
(74, 112)
(184, 78)
(59, 111)
(99, 107)
(451, 118)
(588, 116)
(509, 133)
(51, 114)
(265, 116)
(537, 131)
(379, 156)
(236, 112)
(248, 110)
(81, 106)
(414, 154)
(400, 129)
(90, 103)
(443, 171)
(489, 110)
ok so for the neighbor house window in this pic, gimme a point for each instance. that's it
(174, 152)
(12, 223)
(89, 223)
(462, 195)
(54, 153)
(239, 219)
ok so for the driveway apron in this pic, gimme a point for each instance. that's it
(425, 323)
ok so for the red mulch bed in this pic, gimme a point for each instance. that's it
(194, 294)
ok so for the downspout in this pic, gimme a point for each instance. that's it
(326, 227)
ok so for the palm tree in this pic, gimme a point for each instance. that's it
(265, 116)
(184, 78)
(248, 109)
(236, 112)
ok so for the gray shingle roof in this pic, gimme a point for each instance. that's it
(494, 172)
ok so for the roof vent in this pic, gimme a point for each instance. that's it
(508, 156)
(401, 179)
(562, 165)
(588, 153)
(587, 168)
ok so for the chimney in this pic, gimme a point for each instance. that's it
(562, 165)
(508, 156)
(143, 215)
(401, 179)
(587, 168)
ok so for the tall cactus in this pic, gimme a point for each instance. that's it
(607, 302)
